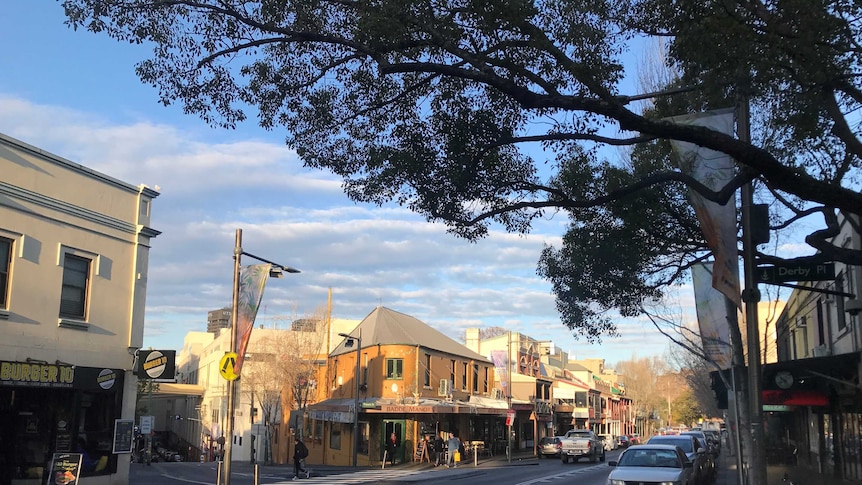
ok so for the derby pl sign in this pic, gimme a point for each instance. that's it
(782, 273)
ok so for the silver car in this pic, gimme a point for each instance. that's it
(665, 464)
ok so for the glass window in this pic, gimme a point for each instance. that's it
(475, 377)
(452, 374)
(5, 265)
(335, 436)
(427, 370)
(464, 376)
(363, 438)
(580, 399)
(485, 385)
(394, 368)
(73, 298)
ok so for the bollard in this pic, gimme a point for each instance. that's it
(218, 472)
(256, 474)
(475, 455)
(384, 460)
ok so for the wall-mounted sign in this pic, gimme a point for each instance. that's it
(36, 374)
(155, 364)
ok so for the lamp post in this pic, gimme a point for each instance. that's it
(275, 272)
(350, 340)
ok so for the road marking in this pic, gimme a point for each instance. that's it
(363, 476)
(550, 478)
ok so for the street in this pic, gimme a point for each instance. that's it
(525, 471)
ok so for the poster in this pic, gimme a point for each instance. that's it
(65, 469)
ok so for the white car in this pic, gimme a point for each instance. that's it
(609, 441)
(665, 464)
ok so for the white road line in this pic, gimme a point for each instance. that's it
(557, 476)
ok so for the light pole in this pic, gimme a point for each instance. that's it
(276, 272)
(350, 341)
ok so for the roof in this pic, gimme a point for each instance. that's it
(385, 326)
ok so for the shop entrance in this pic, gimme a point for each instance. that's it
(391, 426)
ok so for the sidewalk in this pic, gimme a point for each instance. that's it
(729, 475)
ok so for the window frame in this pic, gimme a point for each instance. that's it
(427, 378)
(391, 365)
(83, 289)
(6, 272)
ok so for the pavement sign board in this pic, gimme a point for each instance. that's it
(781, 273)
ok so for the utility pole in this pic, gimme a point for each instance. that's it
(751, 297)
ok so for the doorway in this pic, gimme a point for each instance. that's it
(389, 427)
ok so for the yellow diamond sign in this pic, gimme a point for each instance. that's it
(226, 366)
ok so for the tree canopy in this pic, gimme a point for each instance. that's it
(493, 112)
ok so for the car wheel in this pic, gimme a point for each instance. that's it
(564, 459)
(602, 458)
(593, 457)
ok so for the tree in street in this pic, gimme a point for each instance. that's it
(491, 112)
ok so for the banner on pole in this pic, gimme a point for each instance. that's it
(718, 222)
(712, 317)
(252, 280)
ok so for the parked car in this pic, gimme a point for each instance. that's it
(713, 450)
(609, 441)
(549, 447)
(634, 439)
(622, 441)
(652, 463)
(696, 452)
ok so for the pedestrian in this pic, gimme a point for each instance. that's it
(300, 452)
(454, 443)
(391, 447)
(439, 449)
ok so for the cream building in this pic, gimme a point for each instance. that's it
(74, 251)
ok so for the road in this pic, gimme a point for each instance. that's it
(527, 471)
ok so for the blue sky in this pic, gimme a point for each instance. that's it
(75, 94)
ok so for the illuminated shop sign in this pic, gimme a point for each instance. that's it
(60, 376)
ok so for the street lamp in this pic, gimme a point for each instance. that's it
(348, 343)
(276, 271)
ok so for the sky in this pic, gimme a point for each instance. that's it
(75, 94)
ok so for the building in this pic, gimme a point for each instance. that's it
(277, 380)
(218, 319)
(413, 381)
(74, 252)
(812, 397)
(518, 361)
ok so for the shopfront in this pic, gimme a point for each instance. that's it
(49, 408)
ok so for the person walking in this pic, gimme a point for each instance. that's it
(391, 447)
(439, 449)
(454, 444)
(300, 452)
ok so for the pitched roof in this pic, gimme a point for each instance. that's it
(385, 326)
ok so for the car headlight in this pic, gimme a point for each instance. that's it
(616, 482)
(669, 483)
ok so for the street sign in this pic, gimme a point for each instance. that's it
(781, 273)
(226, 366)
(510, 417)
(147, 424)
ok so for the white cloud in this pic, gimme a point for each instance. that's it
(367, 255)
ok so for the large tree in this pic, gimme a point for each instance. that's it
(474, 113)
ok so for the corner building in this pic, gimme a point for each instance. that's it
(74, 251)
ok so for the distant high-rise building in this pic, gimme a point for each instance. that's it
(218, 319)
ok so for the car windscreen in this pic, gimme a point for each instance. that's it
(650, 458)
(683, 443)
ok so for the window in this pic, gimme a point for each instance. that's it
(580, 399)
(73, 298)
(5, 265)
(464, 376)
(475, 377)
(427, 370)
(394, 368)
(335, 436)
(485, 382)
(451, 374)
(363, 438)
(365, 369)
